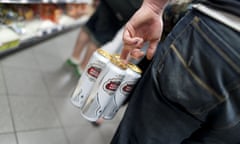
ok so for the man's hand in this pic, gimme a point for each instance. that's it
(145, 26)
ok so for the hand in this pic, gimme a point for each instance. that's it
(145, 26)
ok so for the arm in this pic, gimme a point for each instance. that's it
(145, 26)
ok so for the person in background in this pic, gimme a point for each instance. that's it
(102, 26)
(190, 92)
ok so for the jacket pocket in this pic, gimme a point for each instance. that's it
(196, 72)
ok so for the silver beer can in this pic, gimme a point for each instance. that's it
(104, 89)
(133, 74)
(95, 66)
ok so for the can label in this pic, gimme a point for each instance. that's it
(94, 67)
(93, 71)
(121, 94)
(111, 86)
(127, 87)
(104, 89)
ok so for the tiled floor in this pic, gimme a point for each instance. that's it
(35, 89)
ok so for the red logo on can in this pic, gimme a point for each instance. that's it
(127, 88)
(94, 71)
(112, 85)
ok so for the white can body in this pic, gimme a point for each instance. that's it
(104, 89)
(121, 94)
(93, 69)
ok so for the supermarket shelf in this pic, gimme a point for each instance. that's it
(45, 33)
(44, 1)
(35, 40)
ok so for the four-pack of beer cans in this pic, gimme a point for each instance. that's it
(104, 85)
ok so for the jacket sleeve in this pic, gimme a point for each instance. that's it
(124, 9)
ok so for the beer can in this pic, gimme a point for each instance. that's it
(104, 89)
(116, 56)
(133, 74)
(95, 66)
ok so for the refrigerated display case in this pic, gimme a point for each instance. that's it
(24, 23)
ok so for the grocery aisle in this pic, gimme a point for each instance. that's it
(35, 87)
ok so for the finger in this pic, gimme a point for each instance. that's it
(127, 37)
(125, 51)
(139, 44)
(131, 40)
(137, 54)
(151, 49)
(134, 41)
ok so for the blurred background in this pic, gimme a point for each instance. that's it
(36, 83)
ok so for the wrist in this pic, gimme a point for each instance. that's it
(157, 6)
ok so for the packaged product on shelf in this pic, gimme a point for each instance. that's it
(57, 15)
(46, 11)
(82, 9)
(18, 27)
(1, 14)
(72, 10)
(77, 10)
(29, 14)
(8, 39)
(8, 16)
(24, 11)
(50, 12)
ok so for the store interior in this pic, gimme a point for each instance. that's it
(36, 83)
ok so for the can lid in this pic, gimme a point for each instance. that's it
(135, 68)
(104, 53)
(118, 62)
(116, 56)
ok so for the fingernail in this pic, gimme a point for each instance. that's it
(149, 57)
(136, 41)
